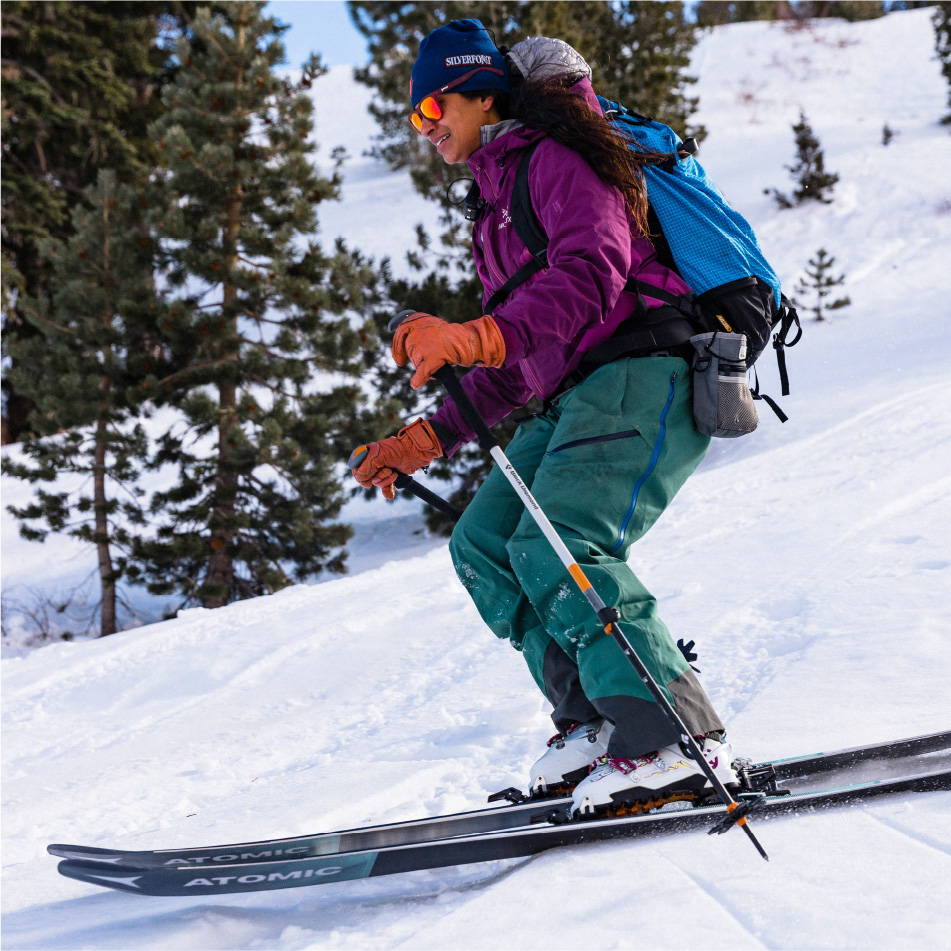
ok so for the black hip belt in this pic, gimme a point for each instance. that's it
(660, 331)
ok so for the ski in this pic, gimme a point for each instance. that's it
(517, 813)
(462, 850)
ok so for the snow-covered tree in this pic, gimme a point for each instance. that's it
(259, 321)
(79, 367)
(942, 44)
(809, 171)
(815, 287)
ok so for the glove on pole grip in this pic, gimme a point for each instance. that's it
(395, 322)
(408, 483)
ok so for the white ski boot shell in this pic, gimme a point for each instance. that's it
(570, 754)
(652, 779)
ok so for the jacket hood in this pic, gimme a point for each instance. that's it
(535, 58)
(490, 133)
(541, 57)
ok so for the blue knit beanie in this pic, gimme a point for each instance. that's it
(452, 51)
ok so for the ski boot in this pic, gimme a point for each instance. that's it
(629, 787)
(568, 757)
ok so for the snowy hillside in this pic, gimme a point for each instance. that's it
(810, 562)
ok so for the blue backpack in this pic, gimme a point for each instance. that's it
(698, 235)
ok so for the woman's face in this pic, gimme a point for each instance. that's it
(457, 134)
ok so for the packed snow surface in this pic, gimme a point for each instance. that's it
(810, 561)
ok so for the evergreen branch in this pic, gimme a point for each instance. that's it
(40, 319)
(196, 367)
(241, 257)
(263, 320)
(316, 359)
(39, 77)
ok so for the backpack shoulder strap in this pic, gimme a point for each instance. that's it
(529, 230)
(527, 225)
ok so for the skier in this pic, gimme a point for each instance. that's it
(615, 441)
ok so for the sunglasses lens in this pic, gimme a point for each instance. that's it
(430, 108)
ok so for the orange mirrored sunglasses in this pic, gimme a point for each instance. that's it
(429, 107)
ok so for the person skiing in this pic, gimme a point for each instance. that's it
(616, 439)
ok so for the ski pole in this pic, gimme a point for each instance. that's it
(403, 481)
(608, 616)
(408, 483)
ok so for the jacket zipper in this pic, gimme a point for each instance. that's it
(497, 279)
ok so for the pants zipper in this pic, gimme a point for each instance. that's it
(651, 466)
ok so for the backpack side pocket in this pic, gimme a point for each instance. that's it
(722, 403)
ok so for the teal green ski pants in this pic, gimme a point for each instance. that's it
(603, 462)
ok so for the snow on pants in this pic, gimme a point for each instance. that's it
(603, 462)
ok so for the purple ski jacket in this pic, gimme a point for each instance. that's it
(577, 302)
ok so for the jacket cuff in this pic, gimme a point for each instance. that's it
(514, 348)
(447, 438)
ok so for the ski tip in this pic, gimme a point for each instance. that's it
(83, 853)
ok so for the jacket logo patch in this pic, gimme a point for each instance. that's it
(506, 219)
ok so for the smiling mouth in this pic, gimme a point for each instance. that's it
(440, 141)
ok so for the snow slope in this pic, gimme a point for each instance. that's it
(810, 561)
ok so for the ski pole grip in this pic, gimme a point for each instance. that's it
(447, 376)
(408, 483)
(399, 318)
(403, 481)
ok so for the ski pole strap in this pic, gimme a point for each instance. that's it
(447, 376)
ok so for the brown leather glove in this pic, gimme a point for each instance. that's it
(413, 447)
(431, 342)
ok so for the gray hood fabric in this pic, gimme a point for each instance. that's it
(491, 132)
(541, 57)
(538, 58)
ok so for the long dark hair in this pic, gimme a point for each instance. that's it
(550, 106)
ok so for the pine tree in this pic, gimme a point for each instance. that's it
(717, 12)
(853, 10)
(80, 86)
(254, 310)
(812, 180)
(79, 367)
(941, 19)
(818, 282)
